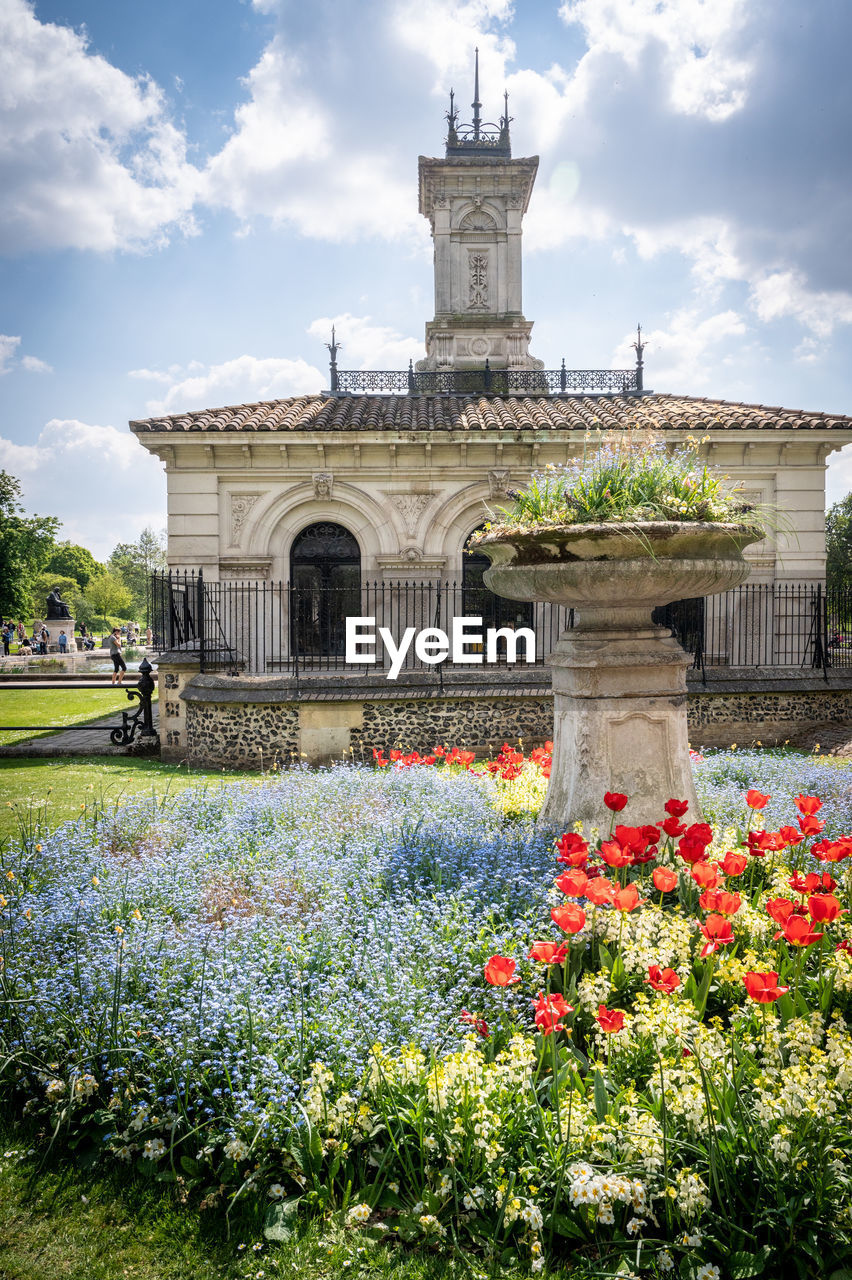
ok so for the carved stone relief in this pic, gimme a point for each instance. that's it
(477, 280)
(498, 482)
(477, 220)
(241, 505)
(323, 484)
(411, 507)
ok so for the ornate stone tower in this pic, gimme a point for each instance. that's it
(475, 199)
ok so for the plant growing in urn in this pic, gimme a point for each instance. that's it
(612, 537)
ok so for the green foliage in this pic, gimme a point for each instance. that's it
(135, 562)
(73, 561)
(25, 546)
(838, 544)
(108, 594)
(630, 481)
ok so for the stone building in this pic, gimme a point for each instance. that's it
(384, 477)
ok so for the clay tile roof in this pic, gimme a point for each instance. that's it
(484, 413)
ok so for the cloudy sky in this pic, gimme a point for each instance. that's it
(192, 191)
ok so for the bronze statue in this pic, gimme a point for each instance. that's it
(56, 606)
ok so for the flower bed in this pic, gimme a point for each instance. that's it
(359, 991)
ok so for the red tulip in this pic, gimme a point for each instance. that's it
(610, 1019)
(833, 850)
(572, 883)
(812, 882)
(808, 805)
(626, 899)
(662, 979)
(548, 952)
(756, 800)
(825, 909)
(763, 987)
(690, 849)
(599, 891)
(664, 879)
(613, 854)
(479, 1024)
(615, 801)
(719, 900)
(780, 909)
(734, 864)
(548, 1011)
(573, 849)
(705, 874)
(790, 836)
(797, 931)
(499, 971)
(676, 808)
(810, 826)
(570, 918)
(673, 828)
(718, 932)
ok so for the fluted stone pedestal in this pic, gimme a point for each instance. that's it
(619, 705)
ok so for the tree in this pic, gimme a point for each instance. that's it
(108, 594)
(838, 544)
(136, 561)
(73, 561)
(25, 546)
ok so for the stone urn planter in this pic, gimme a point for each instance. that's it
(619, 681)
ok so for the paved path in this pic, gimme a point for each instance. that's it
(77, 742)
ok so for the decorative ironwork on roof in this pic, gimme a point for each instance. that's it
(478, 137)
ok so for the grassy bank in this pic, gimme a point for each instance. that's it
(48, 792)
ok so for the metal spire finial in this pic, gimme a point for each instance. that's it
(639, 347)
(333, 348)
(476, 104)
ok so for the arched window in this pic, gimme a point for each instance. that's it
(479, 601)
(325, 580)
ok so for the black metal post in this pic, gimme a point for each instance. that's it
(199, 616)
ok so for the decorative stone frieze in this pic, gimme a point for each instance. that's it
(241, 506)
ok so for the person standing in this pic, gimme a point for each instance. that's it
(119, 666)
(63, 642)
(7, 637)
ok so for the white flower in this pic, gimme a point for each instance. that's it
(55, 1088)
(665, 1261)
(154, 1149)
(85, 1086)
(708, 1273)
(359, 1213)
(634, 1225)
(276, 1191)
(537, 1264)
(605, 1213)
(236, 1149)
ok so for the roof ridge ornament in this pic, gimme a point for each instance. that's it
(478, 136)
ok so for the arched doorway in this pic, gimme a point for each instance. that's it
(479, 601)
(325, 588)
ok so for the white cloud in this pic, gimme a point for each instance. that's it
(365, 345)
(686, 355)
(785, 293)
(8, 350)
(243, 380)
(88, 157)
(702, 64)
(32, 364)
(69, 439)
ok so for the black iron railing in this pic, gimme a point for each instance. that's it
(297, 627)
(487, 381)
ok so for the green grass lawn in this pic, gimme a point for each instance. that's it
(57, 707)
(58, 1222)
(50, 791)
